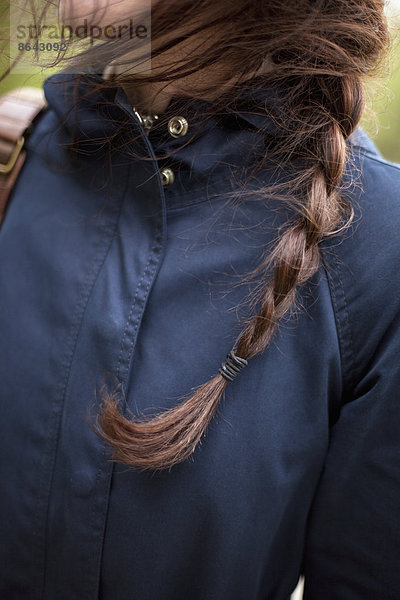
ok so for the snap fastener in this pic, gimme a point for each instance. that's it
(148, 122)
(167, 177)
(178, 126)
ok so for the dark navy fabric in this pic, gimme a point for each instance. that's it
(105, 275)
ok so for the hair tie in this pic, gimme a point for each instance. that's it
(232, 366)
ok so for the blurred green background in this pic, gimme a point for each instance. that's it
(381, 118)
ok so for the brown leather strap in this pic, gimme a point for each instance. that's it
(18, 110)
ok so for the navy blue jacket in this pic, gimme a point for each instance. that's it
(103, 271)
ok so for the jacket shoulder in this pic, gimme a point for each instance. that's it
(362, 263)
(360, 139)
(356, 504)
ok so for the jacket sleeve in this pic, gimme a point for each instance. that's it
(352, 548)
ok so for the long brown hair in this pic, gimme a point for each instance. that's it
(318, 54)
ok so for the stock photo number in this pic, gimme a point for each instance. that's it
(42, 47)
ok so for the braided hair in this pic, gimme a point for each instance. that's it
(322, 72)
(318, 54)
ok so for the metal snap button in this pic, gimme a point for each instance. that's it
(167, 177)
(148, 122)
(178, 126)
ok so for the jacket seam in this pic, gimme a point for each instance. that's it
(103, 247)
(376, 158)
(57, 412)
(131, 325)
(342, 320)
(94, 578)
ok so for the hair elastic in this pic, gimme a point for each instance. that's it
(232, 366)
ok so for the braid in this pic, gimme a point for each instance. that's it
(296, 257)
(322, 107)
(320, 51)
(170, 437)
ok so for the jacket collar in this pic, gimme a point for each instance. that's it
(63, 91)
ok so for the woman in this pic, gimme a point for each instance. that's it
(224, 201)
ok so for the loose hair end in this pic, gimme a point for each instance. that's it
(161, 441)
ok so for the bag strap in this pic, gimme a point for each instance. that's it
(18, 111)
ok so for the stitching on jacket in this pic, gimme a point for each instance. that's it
(133, 306)
(59, 401)
(348, 327)
(103, 246)
(106, 466)
(133, 325)
(381, 161)
(129, 318)
(343, 329)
